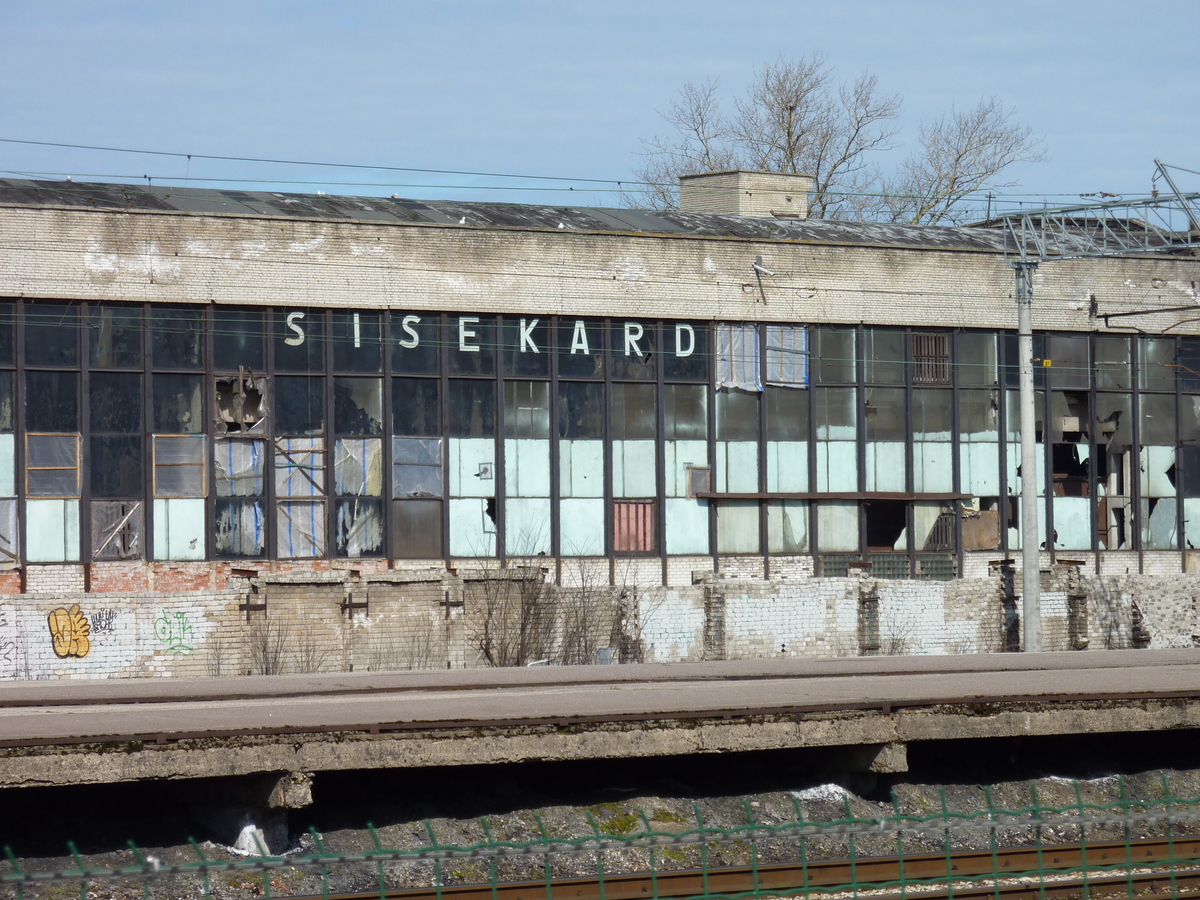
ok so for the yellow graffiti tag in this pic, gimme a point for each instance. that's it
(69, 630)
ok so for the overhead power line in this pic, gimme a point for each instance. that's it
(298, 162)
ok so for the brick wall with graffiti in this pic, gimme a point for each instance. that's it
(250, 625)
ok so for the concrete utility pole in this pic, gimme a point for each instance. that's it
(1092, 231)
(1031, 582)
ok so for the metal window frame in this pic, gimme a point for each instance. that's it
(76, 468)
(155, 465)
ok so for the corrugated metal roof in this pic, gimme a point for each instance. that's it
(202, 201)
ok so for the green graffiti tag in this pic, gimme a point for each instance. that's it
(175, 630)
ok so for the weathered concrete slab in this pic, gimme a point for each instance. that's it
(93, 734)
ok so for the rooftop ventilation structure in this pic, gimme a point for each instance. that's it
(740, 193)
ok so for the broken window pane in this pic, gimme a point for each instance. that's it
(1159, 523)
(934, 528)
(883, 351)
(51, 334)
(685, 357)
(737, 356)
(471, 408)
(299, 405)
(833, 352)
(633, 412)
(239, 467)
(580, 349)
(977, 358)
(117, 529)
(179, 469)
(359, 527)
(787, 526)
(358, 467)
(238, 339)
(1112, 363)
(299, 340)
(299, 467)
(416, 343)
(633, 526)
(580, 410)
(1157, 419)
(787, 414)
(177, 337)
(415, 407)
(116, 465)
(685, 412)
(886, 522)
(52, 464)
(471, 343)
(835, 413)
(300, 529)
(6, 356)
(1068, 355)
(358, 405)
(1070, 416)
(633, 346)
(787, 355)
(178, 404)
(416, 529)
(933, 414)
(115, 337)
(527, 409)
(526, 346)
(6, 403)
(357, 342)
(240, 528)
(884, 414)
(1156, 364)
(737, 416)
(1114, 420)
(241, 403)
(416, 467)
(115, 402)
(978, 413)
(52, 401)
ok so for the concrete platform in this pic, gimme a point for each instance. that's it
(56, 733)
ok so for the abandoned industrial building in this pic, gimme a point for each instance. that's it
(199, 385)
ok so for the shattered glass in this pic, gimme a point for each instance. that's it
(239, 467)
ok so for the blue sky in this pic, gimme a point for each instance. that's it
(560, 88)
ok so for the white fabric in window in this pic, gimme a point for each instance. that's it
(737, 356)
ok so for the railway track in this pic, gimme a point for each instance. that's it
(1142, 869)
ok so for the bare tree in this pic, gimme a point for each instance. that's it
(513, 615)
(795, 118)
(960, 153)
(700, 144)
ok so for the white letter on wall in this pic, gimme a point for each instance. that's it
(291, 323)
(407, 324)
(527, 336)
(579, 339)
(633, 333)
(680, 330)
(464, 333)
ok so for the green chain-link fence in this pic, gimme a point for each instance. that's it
(1106, 846)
